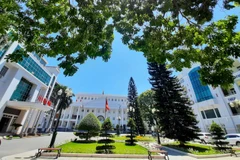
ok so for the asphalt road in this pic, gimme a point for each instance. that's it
(15, 146)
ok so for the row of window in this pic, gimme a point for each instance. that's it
(30, 65)
(80, 117)
(109, 99)
(103, 111)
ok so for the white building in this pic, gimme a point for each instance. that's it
(23, 85)
(213, 104)
(95, 103)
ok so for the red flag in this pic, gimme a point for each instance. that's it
(106, 106)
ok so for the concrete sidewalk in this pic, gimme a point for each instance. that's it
(172, 155)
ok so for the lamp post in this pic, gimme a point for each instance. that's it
(53, 113)
(153, 112)
(119, 119)
(67, 93)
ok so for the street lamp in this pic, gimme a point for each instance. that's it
(153, 112)
(62, 102)
(131, 110)
(51, 119)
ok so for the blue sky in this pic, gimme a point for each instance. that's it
(113, 76)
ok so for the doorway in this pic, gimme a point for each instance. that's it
(4, 124)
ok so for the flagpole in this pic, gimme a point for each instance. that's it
(105, 108)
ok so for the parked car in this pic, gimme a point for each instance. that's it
(233, 139)
(204, 137)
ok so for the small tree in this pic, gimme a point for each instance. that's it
(132, 126)
(106, 148)
(89, 126)
(217, 135)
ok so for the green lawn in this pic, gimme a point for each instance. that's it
(90, 148)
(197, 149)
(138, 138)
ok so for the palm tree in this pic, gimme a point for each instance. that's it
(63, 101)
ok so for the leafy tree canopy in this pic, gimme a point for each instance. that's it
(146, 104)
(176, 31)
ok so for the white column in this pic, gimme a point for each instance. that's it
(9, 124)
(70, 117)
(23, 121)
(34, 125)
(78, 113)
(9, 91)
(28, 120)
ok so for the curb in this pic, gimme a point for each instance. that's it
(201, 156)
(103, 155)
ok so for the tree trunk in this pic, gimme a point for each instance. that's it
(55, 131)
(182, 143)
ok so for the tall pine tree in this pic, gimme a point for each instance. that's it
(132, 99)
(174, 114)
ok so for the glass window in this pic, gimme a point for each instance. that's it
(217, 112)
(3, 71)
(22, 91)
(30, 65)
(202, 92)
(203, 115)
(210, 114)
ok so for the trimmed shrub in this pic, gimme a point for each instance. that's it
(106, 148)
(89, 126)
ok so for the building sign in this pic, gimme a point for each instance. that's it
(231, 99)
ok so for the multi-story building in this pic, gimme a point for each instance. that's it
(95, 103)
(213, 103)
(25, 87)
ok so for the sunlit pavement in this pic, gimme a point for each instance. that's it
(15, 146)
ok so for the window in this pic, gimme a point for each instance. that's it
(98, 111)
(203, 115)
(210, 113)
(202, 92)
(123, 112)
(91, 98)
(124, 118)
(88, 110)
(22, 91)
(3, 71)
(217, 112)
(113, 118)
(82, 110)
(92, 110)
(33, 67)
(113, 111)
